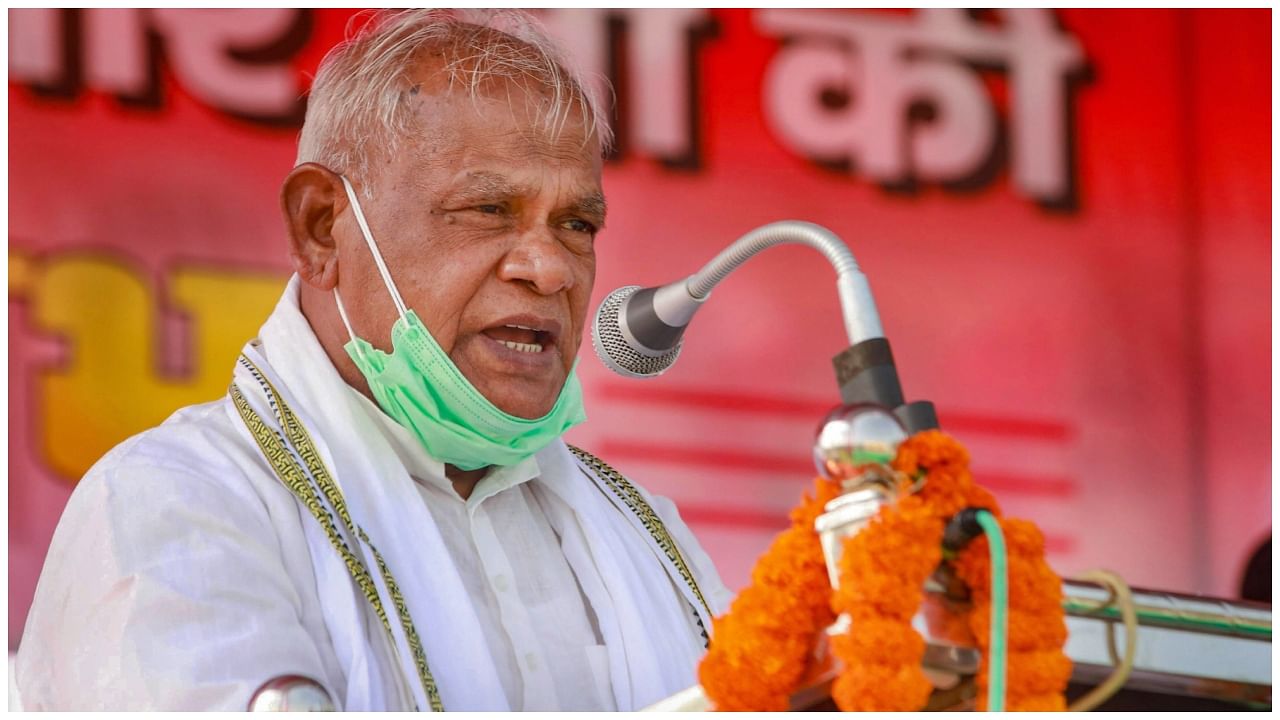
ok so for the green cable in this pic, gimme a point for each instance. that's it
(998, 652)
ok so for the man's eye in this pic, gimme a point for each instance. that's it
(489, 209)
(581, 226)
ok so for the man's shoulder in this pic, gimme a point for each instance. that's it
(191, 476)
(194, 438)
(198, 448)
(173, 540)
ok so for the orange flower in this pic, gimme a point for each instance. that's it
(881, 688)
(979, 496)
(1027, 630)
(763, 646)
(885, 565)
(1038, 672)
(887, 641)
(1037, 668)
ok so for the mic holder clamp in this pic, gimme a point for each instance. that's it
(918, 416)
(961, 530)
(866, 373)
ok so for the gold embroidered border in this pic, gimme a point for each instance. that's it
(301, 442)
(291, 475)
(631, 497)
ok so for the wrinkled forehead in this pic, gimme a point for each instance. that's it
(503, 124)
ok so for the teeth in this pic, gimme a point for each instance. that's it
(523, 347)
(522, 327)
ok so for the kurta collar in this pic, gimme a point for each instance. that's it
(425, 469)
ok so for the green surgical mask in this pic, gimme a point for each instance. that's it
(421, 389)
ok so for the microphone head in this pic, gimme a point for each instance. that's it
(616, 346)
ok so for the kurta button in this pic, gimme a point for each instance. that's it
(531, 662)
(500, 582)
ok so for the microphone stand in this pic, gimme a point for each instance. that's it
(1212, 649)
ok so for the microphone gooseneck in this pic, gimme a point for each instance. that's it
(861, 321)
(638, 332)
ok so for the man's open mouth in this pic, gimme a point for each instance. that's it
(526, 335)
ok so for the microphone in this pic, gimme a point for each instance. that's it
(638, 332)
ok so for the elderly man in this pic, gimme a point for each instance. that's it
(382, 508)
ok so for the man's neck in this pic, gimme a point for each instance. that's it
(464, 481)
(321, 313)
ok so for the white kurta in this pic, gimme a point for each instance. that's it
(542, 636)
(181, 577)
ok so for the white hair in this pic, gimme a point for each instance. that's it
(357, 104)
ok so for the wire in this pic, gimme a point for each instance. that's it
(998, 652)
(1122, 596)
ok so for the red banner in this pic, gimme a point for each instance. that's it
(1065, 218)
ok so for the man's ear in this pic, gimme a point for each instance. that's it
(311, 198)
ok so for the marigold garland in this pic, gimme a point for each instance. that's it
(1038, 669)
(761, 648)
(882, 573)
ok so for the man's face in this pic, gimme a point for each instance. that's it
(487, 224)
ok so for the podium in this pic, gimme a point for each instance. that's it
(1192, 653)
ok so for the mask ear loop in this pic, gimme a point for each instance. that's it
(377, 256)
(343, 312)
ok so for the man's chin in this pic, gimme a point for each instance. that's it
(522, 408)
(522, 397)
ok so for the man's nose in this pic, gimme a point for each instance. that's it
(540, 260)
